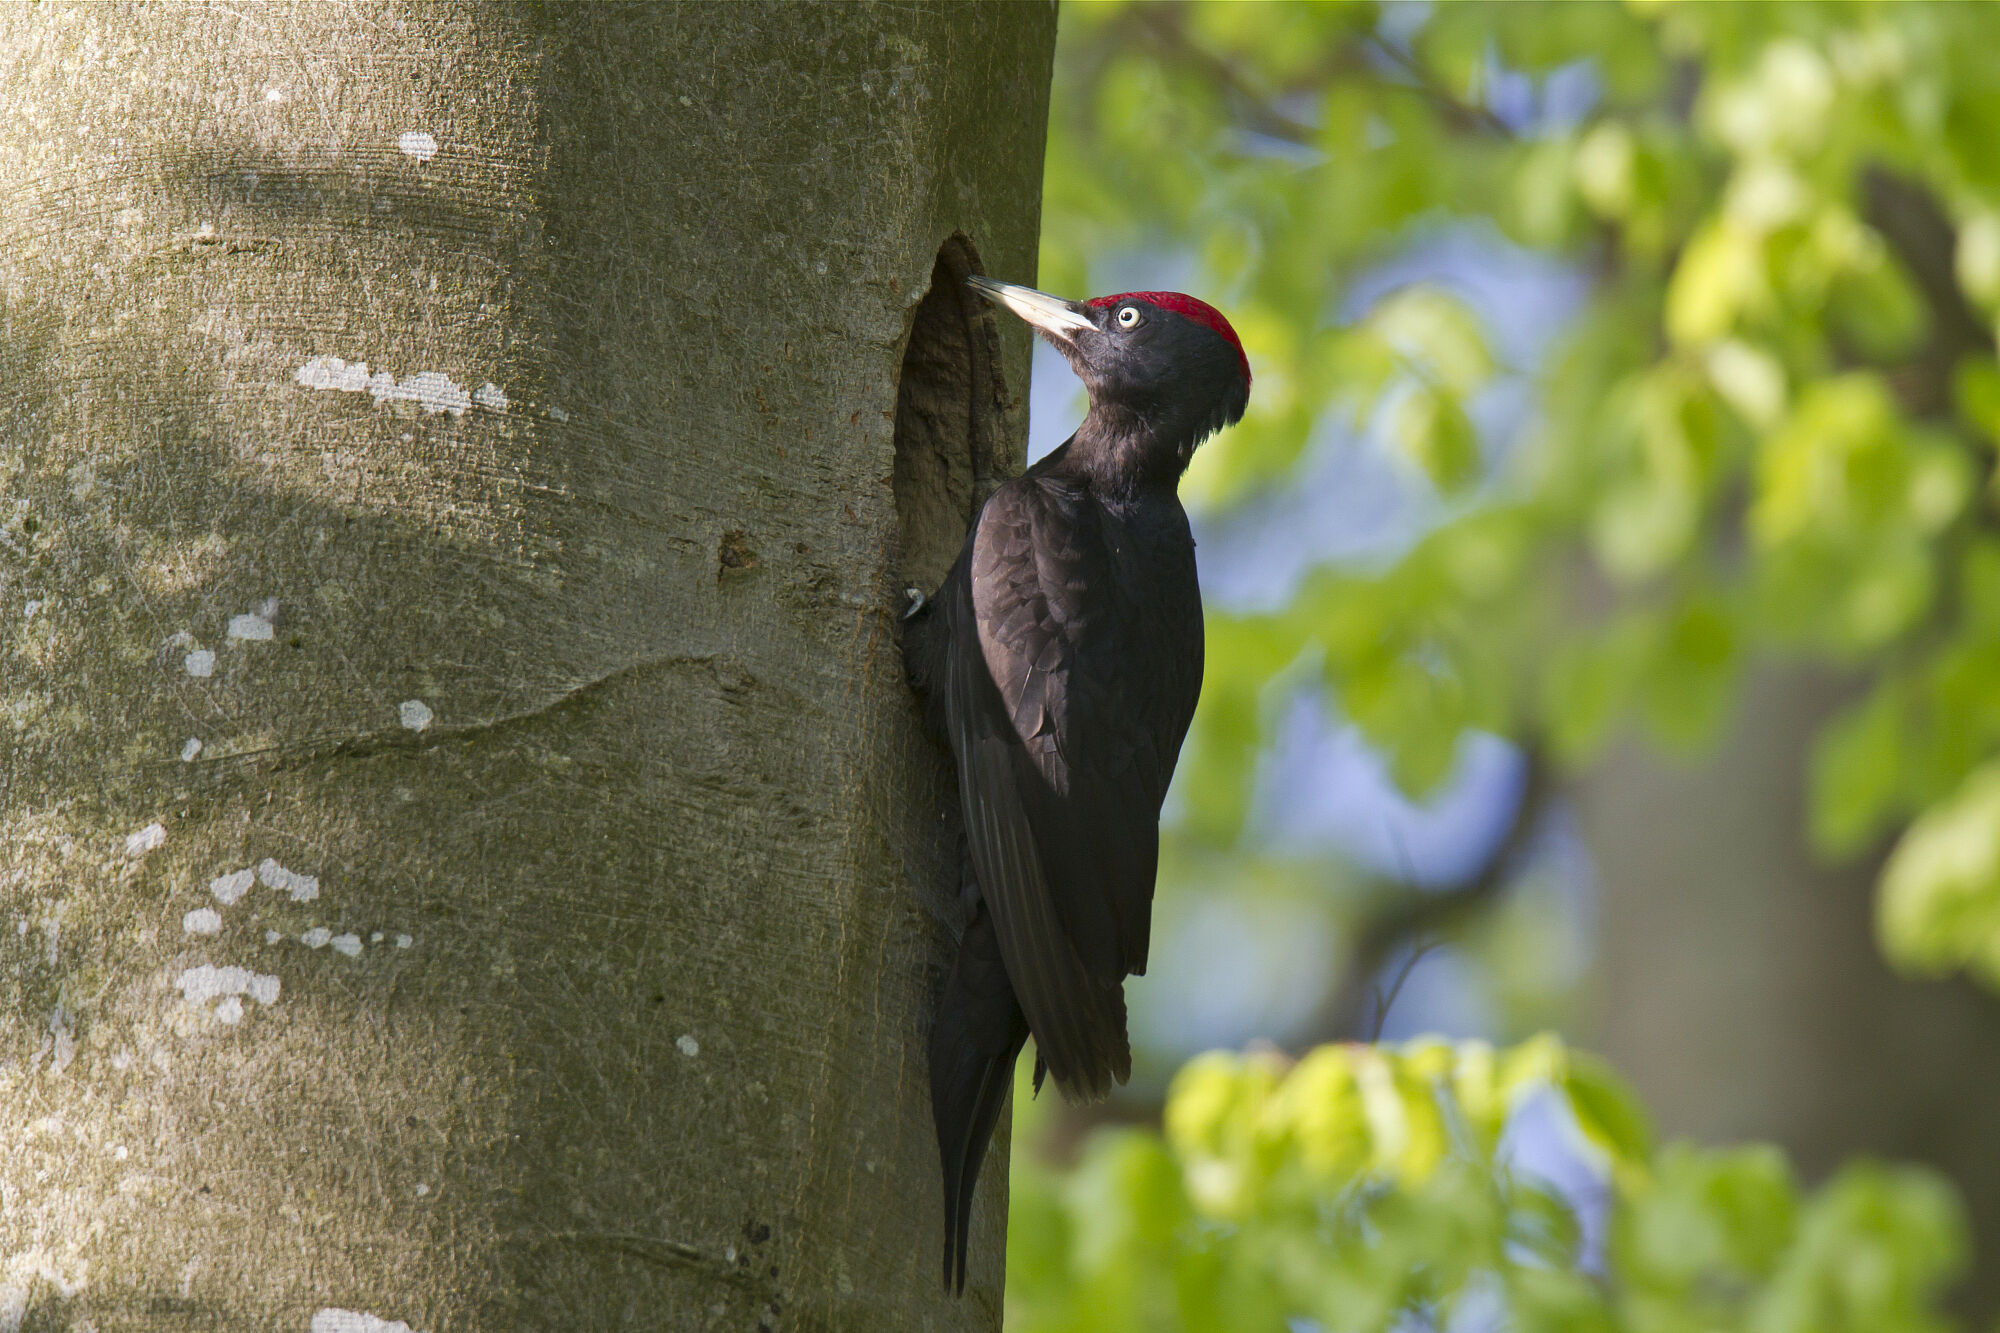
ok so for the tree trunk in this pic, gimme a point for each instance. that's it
(470, 856)
(1742, 988)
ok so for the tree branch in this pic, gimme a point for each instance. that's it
(1920, 235)
(1164, 27)
(1458, 113)
(1415, 915)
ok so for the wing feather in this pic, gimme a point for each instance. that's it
(1072, 680)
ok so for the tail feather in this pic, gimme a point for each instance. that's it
(978, 1035)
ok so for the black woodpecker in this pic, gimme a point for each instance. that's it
(1061, 661)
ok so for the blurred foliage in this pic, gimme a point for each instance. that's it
(1371, 1188)
(1770, 429)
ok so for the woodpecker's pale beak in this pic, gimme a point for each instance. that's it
(1057, 318)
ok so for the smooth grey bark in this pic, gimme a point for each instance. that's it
(1741, 987)
(543, 669)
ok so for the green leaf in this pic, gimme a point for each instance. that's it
(1606, 169)
(1857, 773)
(1587, 684)
(1691, 675)
(1644, 526)
(1721, 277)
(1543, 1223)
(1436, 333)
(1820, 471)
(1437, 435)
(1976, 392)
(1608, 1114)
(1939, 907)
(1877, 308)
(1318, 1111)
(1717, 1218)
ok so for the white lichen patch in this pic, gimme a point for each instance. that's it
(490, 395)
(19, 1273)
(230, 1010)
(431, 390)
(202, 921)
(200, 662)
(59, 1046)
(558, 414)
(414, 714)
(272, 937)
(145, 840)
(346, 944)
(331, 1320)
(251, 627)
(228, 888)
(191, 749)
(688, 1045)
(208, 982)
(302, 888)
(404, 941)
(420, 144)
(316, 938)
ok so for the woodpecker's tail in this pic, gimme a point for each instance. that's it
(978, 1034)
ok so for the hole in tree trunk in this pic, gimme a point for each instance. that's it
(948, 419)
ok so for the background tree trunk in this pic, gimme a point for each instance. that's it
(449, 465)
(1742, 989)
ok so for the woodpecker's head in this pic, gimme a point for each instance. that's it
(1169, 360)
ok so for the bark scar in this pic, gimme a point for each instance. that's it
(732, 678)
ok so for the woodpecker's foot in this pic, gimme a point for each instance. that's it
(917, 602)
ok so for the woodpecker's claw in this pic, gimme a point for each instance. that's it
(917, 601)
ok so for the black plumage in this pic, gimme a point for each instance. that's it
(1061, 661)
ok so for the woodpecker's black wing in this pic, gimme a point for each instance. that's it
(1070, 687)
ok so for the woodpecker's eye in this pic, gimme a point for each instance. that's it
(1128, 318)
